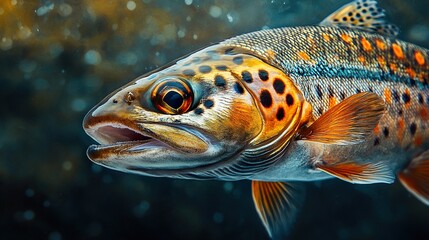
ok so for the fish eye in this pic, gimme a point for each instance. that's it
(172, 96)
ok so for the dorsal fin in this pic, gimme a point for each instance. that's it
(363, 15)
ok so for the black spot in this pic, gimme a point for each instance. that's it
(406, 97)
(115, 101)
(196, 60)
(198, 111)
(342, 96)
(263, 75)
(413, 128)
(247, 76)
(330, 91)
(237, 60)
(266, 99)
(400, 112)
(229, 51)
(395, 95)
(319, 91)
(189, 72)
(280, 113)
(279, 86)
(350, 14)
(386, 132)
(220, 81)
(204, 69)
(238, 88)
(221, 67)
(376, 141)
(208, 103)
(345, 19)
(420, 97)
(289, 100)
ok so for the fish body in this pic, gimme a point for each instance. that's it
(344, 99)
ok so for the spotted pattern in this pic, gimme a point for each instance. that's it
(208, 103)
(247, 76)
(263, 75)
(238, 88)
(205, 69)
(189, 72)
(220, 81)
(289, 100)
(280, 113)
(279, 86)
(266, 99)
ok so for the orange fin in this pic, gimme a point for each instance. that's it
(277, 204)
(348, 122)
(415, 177)
(363, 15)
(358, 173)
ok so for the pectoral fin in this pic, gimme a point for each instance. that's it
(415, 177)
(348, 122)
(363, 15)
(277, 204)
(358, 173)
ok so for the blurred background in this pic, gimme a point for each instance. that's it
(59, 58)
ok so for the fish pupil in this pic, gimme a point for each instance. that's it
(173, 99)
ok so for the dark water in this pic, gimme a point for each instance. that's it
(59, 58)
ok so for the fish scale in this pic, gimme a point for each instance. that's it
(333, 64)
(345, 99)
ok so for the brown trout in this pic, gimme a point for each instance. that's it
(343, 99)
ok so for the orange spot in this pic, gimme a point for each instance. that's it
(381, 61)
(387, 96)
(346, 38)
(421, 77)
(361, 59)
(326, 37)
(332, 102)
(271, 53)
(393, 67)
(424, 113)
(366, 45)
(304, 56)
(418, 140)
(377, 129)
(410, 72)
(401, 128)
(420, 59)
(397, 50)
(380, 44)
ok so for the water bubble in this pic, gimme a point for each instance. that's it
(27, 66)
(65, 10)
(24, 32)
(45, 9)
(195, 36)
(181, 33)
(67, 165)
(92, 57)
(218, 217)
(6, 43)
(188, 18)
(228, 186)
(229, 17)
(127, 58)
(13, 2)
(28, 215)
(141, 209)
(29, 192)
(78, 105)
(215, 11)
(55, 236)
(188, 2)
(131, 5)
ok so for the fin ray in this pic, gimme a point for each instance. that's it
(415, 177)
(277, 204)
(363, 15)
(358, 173)
(348, 122)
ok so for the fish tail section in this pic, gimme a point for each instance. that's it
(415, 177)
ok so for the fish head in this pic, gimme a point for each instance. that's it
(188, 118)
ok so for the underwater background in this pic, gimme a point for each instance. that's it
(59, 58)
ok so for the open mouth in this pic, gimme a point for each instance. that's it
(116, 133)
